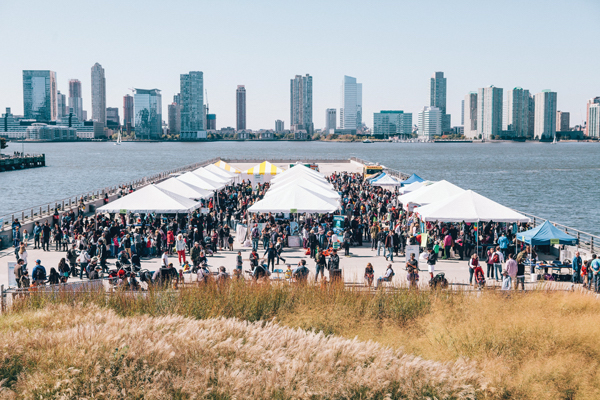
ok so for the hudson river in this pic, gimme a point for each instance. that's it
(559, 182)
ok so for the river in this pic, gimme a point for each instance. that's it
(559, 182)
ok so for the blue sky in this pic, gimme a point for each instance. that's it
(392, 47)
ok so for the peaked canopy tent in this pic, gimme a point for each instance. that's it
(309, 184)
(185, 189)
(412, 179)
(302, 178)
(223, 165)
(151, 199)
(219, 171)
(296, 170)
(201, 182)
(262, 172)
(546, 234)
(204, 173)
(414, 186)
(438, 191)
(386, 180)
(295, 200)
(468, 206)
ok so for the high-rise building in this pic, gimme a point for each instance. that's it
(351, 104)
(437, 98)
(301, 103)
(240, 105)
(61, 105)
(517, 112)
(128, 110)
(76, 99)
(563, 122)
(545, 115)
(112, 116)
(211, 122)
(531, 116)
(489, 112)
(193, 123)
(98, 94)
(430, 122)
(148, 113)
(174, 111)
(279, 126)
(390, 123)
(330, 120)
(470, 115)
(590, 122)
(462, 113)
(39, 95)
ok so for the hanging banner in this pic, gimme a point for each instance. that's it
(554, 241)
(424, 240)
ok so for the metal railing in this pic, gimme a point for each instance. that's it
(393, 172)
(46, 210)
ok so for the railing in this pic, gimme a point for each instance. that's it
(587, 241)
(45, 210)
(392, 172)
(285, 160)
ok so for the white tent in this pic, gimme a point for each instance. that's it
(386, 180)
(220, 171)
(185, 189)
(295, 200)
(300, 175)
(469, 206)
(303, 179)
(430, 194)
(204, 173)
(414, 186)
(151, 199)
(201, 182)
(309, 184)
(298, 169)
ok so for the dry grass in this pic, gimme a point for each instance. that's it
(537, 345)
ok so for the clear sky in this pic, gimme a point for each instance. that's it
(392, 47)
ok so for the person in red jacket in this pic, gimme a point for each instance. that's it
(170, 241)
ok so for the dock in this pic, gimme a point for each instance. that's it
(22, 161)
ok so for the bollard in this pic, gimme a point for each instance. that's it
(2, 300)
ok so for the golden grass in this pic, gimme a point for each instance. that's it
(536, 345)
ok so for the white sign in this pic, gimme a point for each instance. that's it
(12, 280)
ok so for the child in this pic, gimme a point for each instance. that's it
(288, 272)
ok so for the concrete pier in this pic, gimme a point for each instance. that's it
(15, 162)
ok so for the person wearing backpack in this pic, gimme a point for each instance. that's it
(38, 274)
(19, 269)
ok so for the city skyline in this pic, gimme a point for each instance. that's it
(389, 82)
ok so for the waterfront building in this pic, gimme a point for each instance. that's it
(39, 95)
(279, 126)
(10, 126)
(437, 98)
(470, 115)
(391, 123)
(148, 113)
(128, 111)
(591, 102)
(84, 129)
(39, 131)
(330, 120)
(191, 96)
(174, 116)
(545, 115)
(462, 113)
(563, 121)
(211, 122)
(531, 116)
(301, 95)
(517, 112)
(489, 112)
(593, 120)
(430, 122)
(240, 107)
(61, 104)
(98, 94)
(75, 98)
(112, 117)
(351, 104)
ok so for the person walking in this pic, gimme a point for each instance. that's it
(576, 266)
(279, 250)
(271, 253)
(38, 274)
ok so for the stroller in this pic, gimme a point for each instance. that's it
(439, 281)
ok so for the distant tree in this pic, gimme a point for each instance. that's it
(3, 143)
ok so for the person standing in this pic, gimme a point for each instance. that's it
(271, 253)
(84, 259)
(498, 260)
(19, 269)
(103, 255)
(431, 260)
(389, 245)
(37, 233)
(321, 263)
(381, 242)
(38, 274)
(473, 263)
(46, 231)
(374, 235)
(255, 234)
(180, 247)
(448, 243)
(595, 267)
(503, 244)
(576, 265)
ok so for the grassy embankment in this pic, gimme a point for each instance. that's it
(521, 346)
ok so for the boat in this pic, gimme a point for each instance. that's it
(118, 142)
(367, 141)
(554, 141)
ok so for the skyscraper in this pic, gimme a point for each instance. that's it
(351, 104)
(39, 95)
(591, 122)
(174, 111)
(279, 126)
(192, 104)
(330, 119)
(128, 112)
(545, 115)
(75, 98)
(301, 103)
(517, 112)
(112, 116)
(390, 123)
(98, 94)
(61, 105)
(563, 122)
(470, 115)
(489, 112)
(148, 113)
(430, 122)
(240, 103)
(437, 98)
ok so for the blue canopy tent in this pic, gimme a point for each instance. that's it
(546, 234)
(412, 179)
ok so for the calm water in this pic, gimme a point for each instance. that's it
(560, 182)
